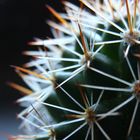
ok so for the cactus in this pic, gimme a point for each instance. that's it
(85, 82)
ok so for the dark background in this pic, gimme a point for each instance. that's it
(20, 21)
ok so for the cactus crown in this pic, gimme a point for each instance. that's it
(86, 82)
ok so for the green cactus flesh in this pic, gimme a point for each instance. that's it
(95, 91)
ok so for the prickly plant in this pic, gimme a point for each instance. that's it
(85, 82)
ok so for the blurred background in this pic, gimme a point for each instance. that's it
(20, 22)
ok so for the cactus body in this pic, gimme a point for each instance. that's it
(86, 82)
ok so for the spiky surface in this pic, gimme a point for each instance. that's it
(85, 82)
